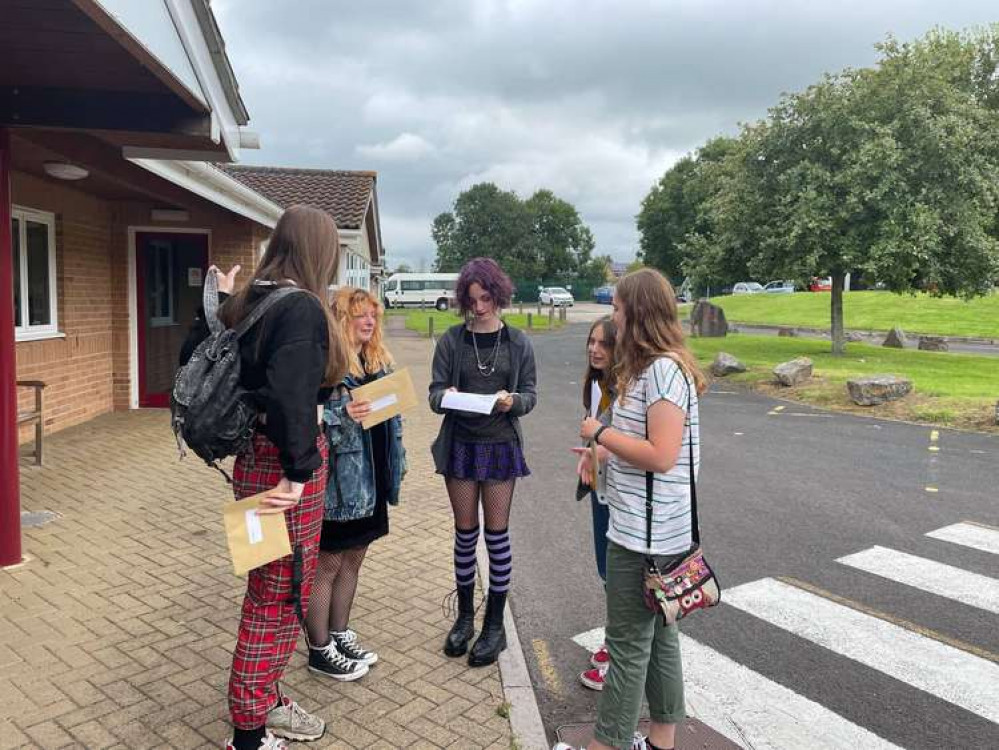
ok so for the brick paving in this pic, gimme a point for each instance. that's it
(118, 632)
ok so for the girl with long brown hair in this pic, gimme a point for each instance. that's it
(286, 357)
(655, 414)
(366, 468)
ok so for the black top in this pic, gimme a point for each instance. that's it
(283, 365)
(484, 428)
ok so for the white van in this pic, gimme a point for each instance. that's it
(420, 290)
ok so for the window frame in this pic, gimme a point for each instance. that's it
(29, 332)
(170, 319)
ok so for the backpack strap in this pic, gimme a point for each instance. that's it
(271, 299)
(650, 477)
(210, 303)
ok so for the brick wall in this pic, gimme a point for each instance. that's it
(88, 371)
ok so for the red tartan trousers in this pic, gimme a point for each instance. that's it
(268, 629)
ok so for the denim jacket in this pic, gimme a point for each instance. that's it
(350, 491)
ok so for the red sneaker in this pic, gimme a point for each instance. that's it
(600, 658)
(594, 678)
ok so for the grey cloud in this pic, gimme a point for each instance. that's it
(591, 98)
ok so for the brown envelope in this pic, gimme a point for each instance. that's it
(389, 396)
(254, 540)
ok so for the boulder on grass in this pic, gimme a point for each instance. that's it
(795, 372)
(708, 320)
(933, 344)
(895, 339)
(726, 364)
(878, 389)
(785, 331)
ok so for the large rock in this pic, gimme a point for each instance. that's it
(795, 372)
(785, 331)
(726, 364)
(895, 339)
(878, 389)
(708, 320)
(933, 344)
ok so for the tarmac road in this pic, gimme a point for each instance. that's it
(906, 656)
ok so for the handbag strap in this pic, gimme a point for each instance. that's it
(650, 476)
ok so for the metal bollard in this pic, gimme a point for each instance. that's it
(430, 326)
(551, 316)
(522, 307)
(530, 321)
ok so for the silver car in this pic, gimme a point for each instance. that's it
(556, 296)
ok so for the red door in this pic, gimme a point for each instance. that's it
(170, 270)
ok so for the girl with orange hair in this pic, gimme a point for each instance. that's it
(365, 471)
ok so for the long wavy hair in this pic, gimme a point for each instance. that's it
(606, 376)
(348, 302)
(651, 330)
(304, 249)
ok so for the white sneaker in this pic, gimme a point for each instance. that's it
(637, 743)
(269, 742)
(291, 721)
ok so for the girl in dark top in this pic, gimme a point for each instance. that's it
(286, 359)
(366, 468)
(481, 456)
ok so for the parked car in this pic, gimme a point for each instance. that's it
(779, 287)
(556, 296)
(603, 295)
(821, 285)
(747, 287)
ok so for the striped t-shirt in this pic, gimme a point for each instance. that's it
(662, 380)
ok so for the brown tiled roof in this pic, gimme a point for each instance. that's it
(342, 193)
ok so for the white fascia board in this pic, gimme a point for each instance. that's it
(216, 186)
(186, 20)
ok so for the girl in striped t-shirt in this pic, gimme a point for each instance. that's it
(655, 422)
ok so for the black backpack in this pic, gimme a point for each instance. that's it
(209, 409)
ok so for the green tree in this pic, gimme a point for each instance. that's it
(893, 171)
(542, 237)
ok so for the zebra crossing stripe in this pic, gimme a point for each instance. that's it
(972, 535)
(755, 712)
(752, 710)
(936, 668)
(928, 575)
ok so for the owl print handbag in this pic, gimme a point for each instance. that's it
(685, 583)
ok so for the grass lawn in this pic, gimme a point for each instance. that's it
(955, 390)
(944, 316)
(418, 320)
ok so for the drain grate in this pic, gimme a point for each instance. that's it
(34, 519)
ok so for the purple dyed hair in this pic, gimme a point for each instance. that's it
(486, 273)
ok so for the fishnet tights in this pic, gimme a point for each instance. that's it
(496, 500)
(333, 593)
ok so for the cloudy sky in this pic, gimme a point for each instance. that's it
(593, 99)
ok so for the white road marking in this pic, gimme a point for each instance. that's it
(928, 575)
(943, 671)
(969, 535)
(752, 710)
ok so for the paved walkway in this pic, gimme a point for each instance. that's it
(118, 632)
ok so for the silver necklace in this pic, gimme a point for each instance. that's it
(488, 367)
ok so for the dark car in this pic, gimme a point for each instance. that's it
(603, 295)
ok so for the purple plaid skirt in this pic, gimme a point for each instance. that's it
(485, 462)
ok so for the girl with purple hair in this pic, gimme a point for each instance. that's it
(482, 455)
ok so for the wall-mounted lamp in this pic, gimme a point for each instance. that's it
(64, 171)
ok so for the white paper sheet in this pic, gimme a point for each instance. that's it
(474, 402)
(384, 401)
(595, 396)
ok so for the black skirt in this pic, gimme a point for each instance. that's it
(338, 536)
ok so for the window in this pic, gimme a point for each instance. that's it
(412, 286)
(160, 275)
(35, 310)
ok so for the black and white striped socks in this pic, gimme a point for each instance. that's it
(464, 555)
(500, 560)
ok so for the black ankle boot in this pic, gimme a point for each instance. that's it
(492, 639)
(464, 625)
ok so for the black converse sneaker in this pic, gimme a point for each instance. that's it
(347, 643)
(327, 660)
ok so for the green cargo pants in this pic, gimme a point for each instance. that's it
(644, 656)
